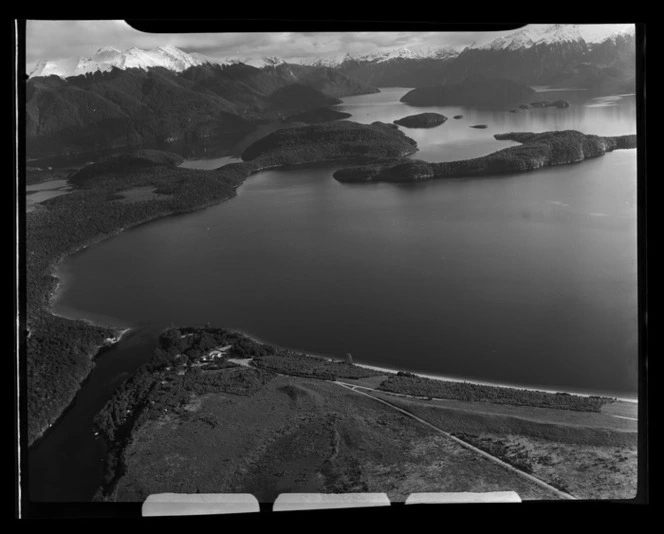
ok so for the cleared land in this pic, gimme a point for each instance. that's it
(301, 435)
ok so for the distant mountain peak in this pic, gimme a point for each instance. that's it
(532, 35)
(404, 53)
(108, 50)
(108, 57)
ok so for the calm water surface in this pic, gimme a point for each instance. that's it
(526, 279)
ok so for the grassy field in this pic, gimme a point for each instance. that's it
(301, 435)
(591, 456)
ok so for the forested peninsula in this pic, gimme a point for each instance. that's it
(537, 150)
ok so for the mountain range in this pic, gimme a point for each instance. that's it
(116, 98)
(556, 55)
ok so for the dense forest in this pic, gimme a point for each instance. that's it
(536, 150)
(134, 107)
(342, 140)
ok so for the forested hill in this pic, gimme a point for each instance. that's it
(137, 107)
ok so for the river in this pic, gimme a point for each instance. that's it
(527, 279)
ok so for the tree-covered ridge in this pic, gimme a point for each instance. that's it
(341, 140)
(537, 150)
(136, 107)
(138, 159)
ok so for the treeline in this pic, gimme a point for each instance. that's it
(410, 384)
(312, 367)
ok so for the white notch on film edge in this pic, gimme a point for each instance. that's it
(172, 504)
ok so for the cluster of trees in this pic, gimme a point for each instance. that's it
(157, 388)
(410, 384)
(516, 456)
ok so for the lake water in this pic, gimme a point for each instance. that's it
(35, 194)
(524, 279)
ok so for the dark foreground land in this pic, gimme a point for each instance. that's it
(215, 411)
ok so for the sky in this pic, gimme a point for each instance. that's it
(53, 40)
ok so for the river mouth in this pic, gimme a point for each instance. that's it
(67, 463)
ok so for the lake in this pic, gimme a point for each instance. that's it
(526, 279)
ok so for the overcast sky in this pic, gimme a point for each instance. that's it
(52, 40)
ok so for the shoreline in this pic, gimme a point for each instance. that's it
(442, 378)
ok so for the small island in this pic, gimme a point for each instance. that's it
(422, 120)
(479, 126)
(458, 116)
(537, 150)
(318, 115)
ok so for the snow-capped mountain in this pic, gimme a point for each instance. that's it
(552, 54)
(552, 34)
(533, 35)
(404, 53)
(597, 33)
(107, 58)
